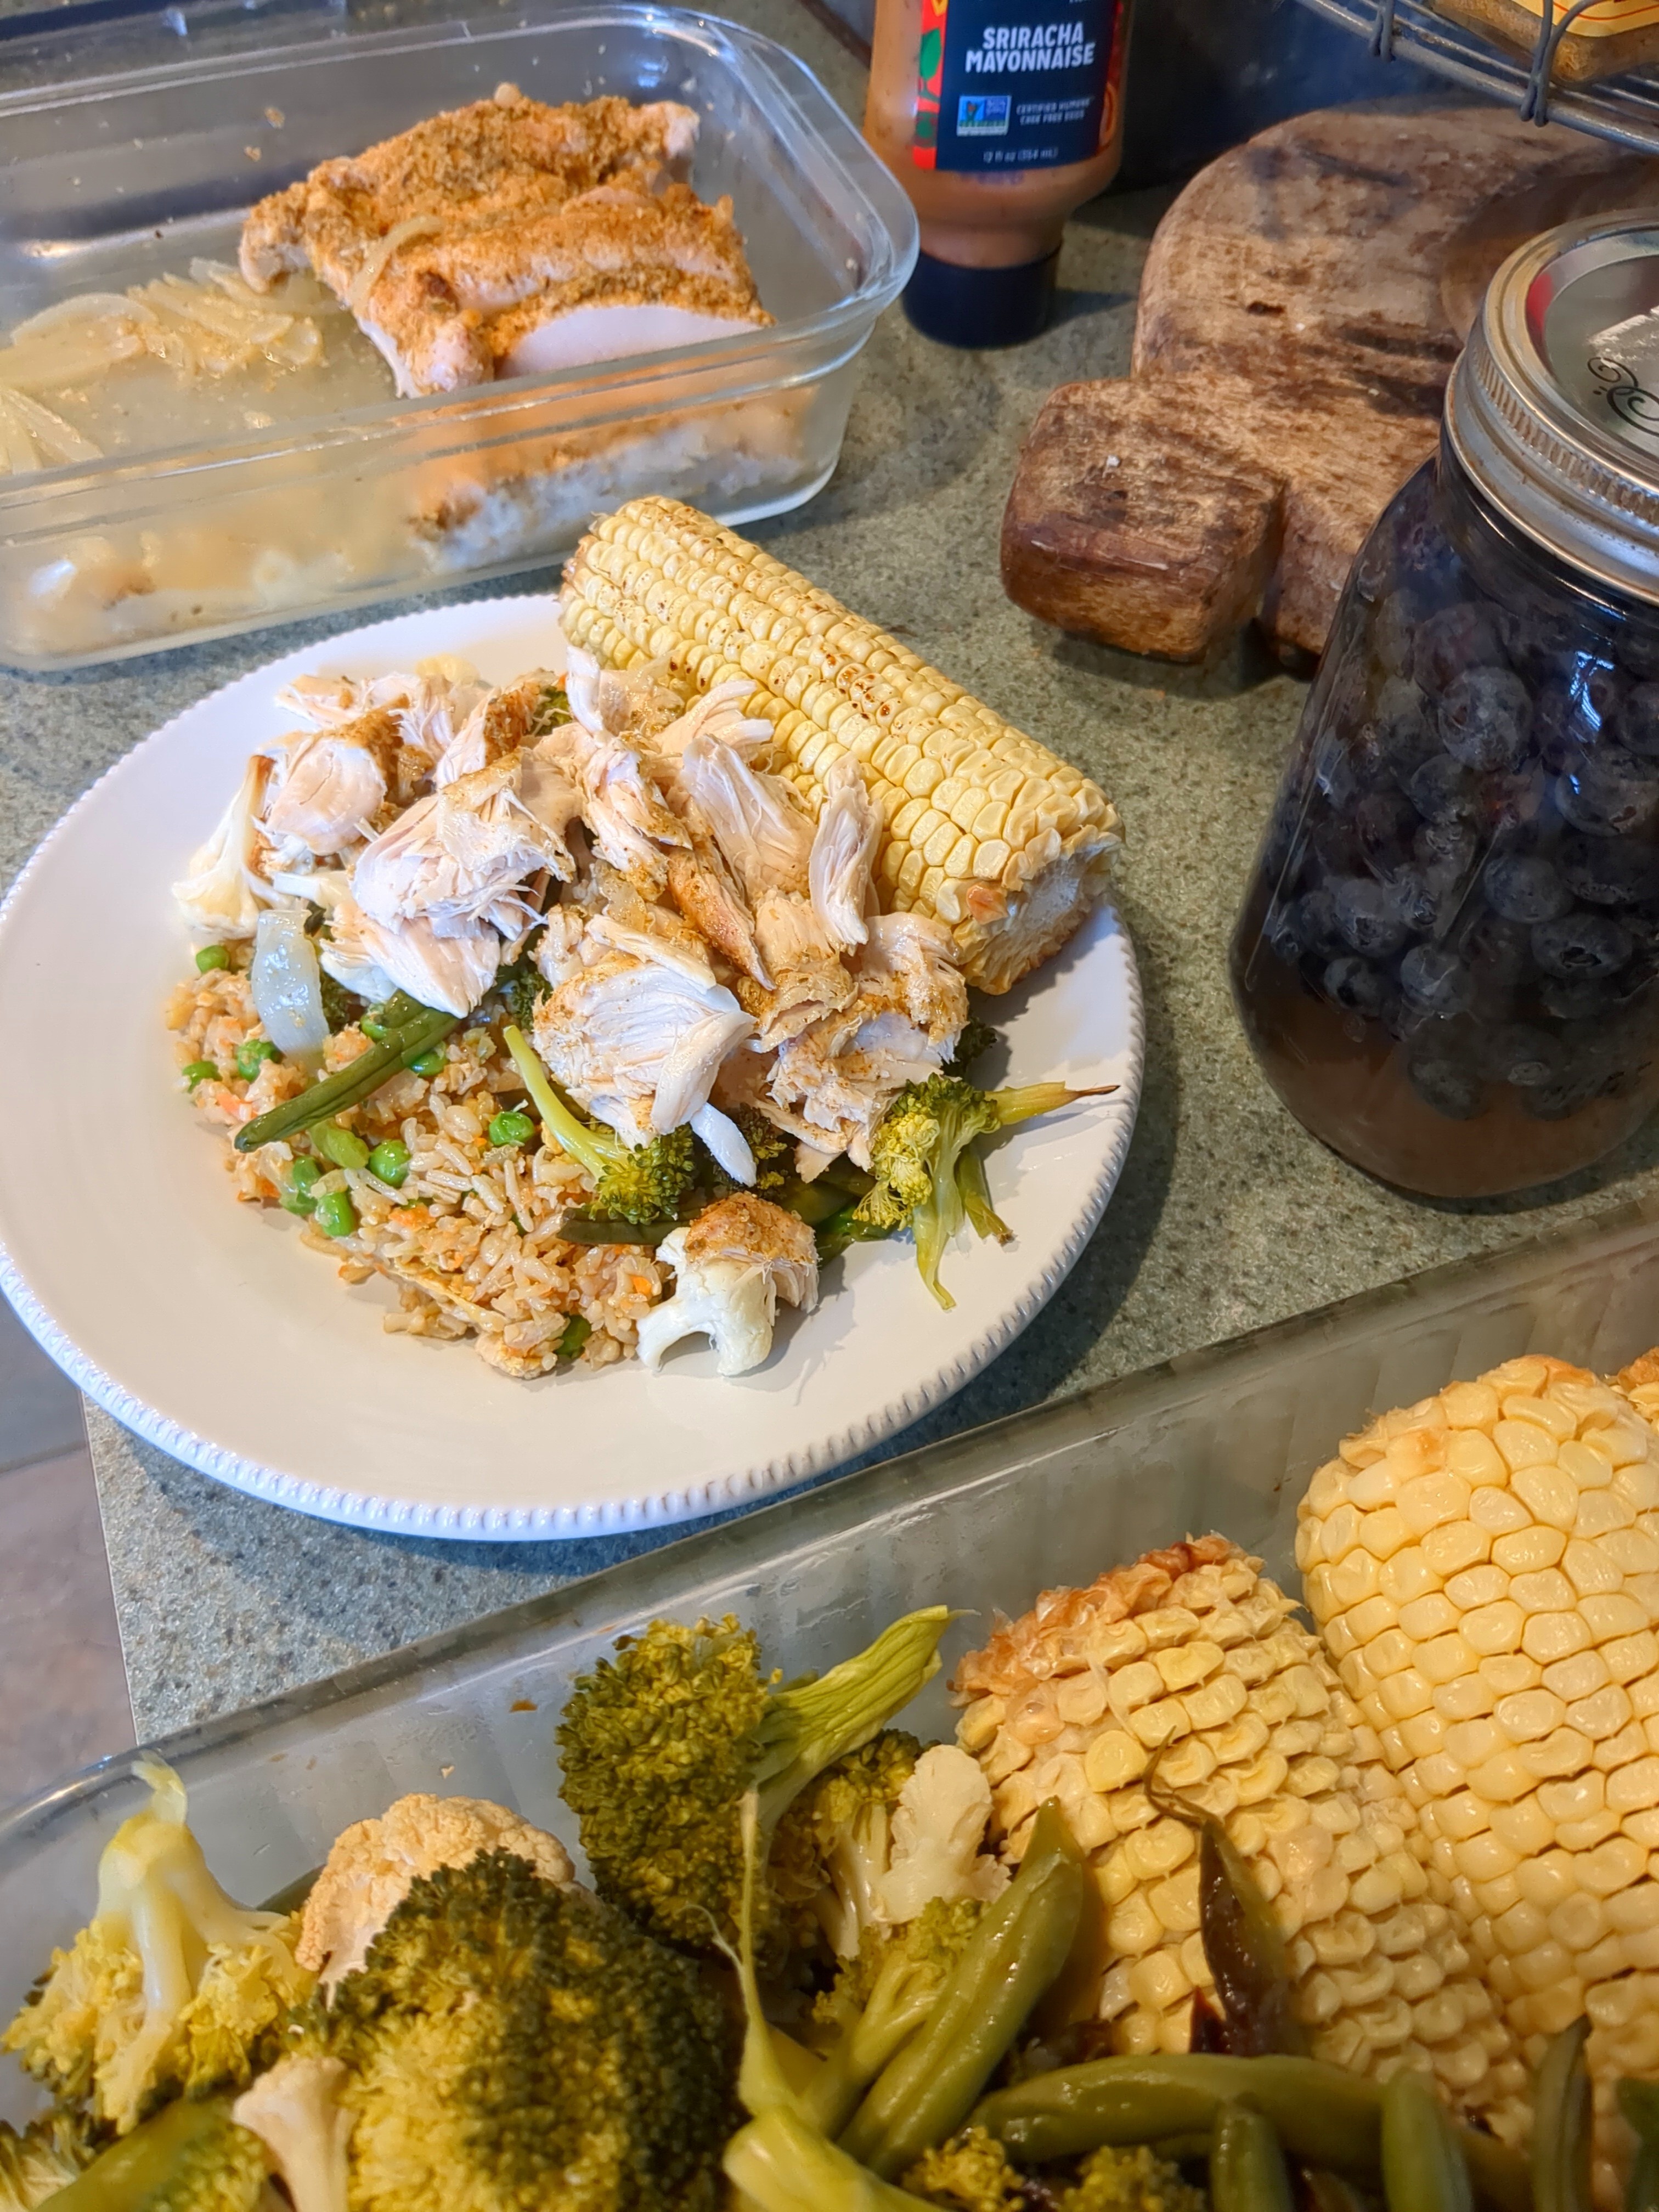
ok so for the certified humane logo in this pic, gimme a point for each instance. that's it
(983, 115)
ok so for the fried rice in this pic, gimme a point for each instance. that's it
(469, 1237)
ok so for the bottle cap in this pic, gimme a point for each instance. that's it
(980, 307)
(1553, 407)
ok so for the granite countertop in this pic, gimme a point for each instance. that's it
(1227, 1215)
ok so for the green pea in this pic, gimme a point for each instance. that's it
(297, 1198)
(372, 1023)
(344, 1146)
(200, 1071)
(390, 1161)
(576, 1333)
(335, 1215)
(428, 1063)
(512, 1129)
(251, 1052)
(211, 957)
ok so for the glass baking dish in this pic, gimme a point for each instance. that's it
(111, 182)
(1224, 1439)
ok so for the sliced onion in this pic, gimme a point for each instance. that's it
(286, 982)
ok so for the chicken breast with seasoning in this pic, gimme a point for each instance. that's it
(509, 237)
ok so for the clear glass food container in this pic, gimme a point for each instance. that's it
(112, 182)
(1223, 1439)
(1448, 960)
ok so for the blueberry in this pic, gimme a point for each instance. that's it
(1444, 851)
(1607, 791)
(1452, 640)
(1414, 899)
(1367, 915)
(1609, 870)
(1524, 887)
(1383, 822)
(1637, 648)
(1638, 726)
(1357, 986)
(1590, 1000)
(1601, 690)
(1394, 634)
(1499, 952)
(1301, 925)
(1447, 1088)
(1581, 946)
(1486, 718)
(1516, 1054)
(1432, 976)
(1444, 791)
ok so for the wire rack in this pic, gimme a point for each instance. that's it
(1623, 108)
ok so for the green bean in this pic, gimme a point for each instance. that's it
(924, 2092)
(390, 1161)
(351, 1084)
(211, 957)
(200, 1071)
(1639, 2103)
(335, 1215)
(344, 1146)
(1561, 2124)
(1325, 2115)
(579, 1228)
(511, 1128)
(577, 1330)
(1247, 2166)
(251, 1053)
(1424, 2169)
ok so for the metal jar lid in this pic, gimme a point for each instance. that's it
(1553, 408)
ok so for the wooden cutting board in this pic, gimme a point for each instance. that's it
(1303, 304)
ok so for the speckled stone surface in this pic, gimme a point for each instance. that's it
(1227, 1215)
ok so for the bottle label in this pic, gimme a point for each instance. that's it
(1014, 84)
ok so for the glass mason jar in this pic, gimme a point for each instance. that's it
(1448, 959)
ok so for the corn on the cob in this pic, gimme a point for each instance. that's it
(1484, 1570)
(1193, 1649)
(983, 828)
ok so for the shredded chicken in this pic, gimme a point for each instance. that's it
(453, 971)
(510, 237)
(327, 785)
(844, 854)
(732, 1266)
(809, 980)
(464, 854)
(756, 821)
(638, 1043)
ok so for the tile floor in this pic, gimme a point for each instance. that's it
(63, 1689)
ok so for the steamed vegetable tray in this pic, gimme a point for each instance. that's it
(1187, 1911)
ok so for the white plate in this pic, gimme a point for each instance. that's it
(206, 1327)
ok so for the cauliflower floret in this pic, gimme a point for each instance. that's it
(373, 1864)
(222, 894)
(295, 2112)
(732, 1265)
(938, 1826)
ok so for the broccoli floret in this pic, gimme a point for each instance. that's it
(551, 712)
(1131, 2180)
(171, 1986)
(44, 2157)
(925, 1173)
(976, 1041)
(509, 2042)
(969, 2174)
(636, 1183)
(522, 985)
(660, 1744)
(341, 1007)
(190, 2157)
(775, 1157)
(880, 1997)
(830, 1850)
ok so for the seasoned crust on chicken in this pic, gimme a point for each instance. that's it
(509, 236)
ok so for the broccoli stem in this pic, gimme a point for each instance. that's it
(403, 1041)
(845, 1229)
(975, 1195)
(808, 1725)
(1026, 1100)
(925, 2094)
(899, 2003)
(559, 1123)
(782, 2164)
(580, 1228)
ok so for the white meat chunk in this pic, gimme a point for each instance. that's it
(808, 978)
(638, 1043)
(732, 1265)
(464, 854)
(453, 972)
(843, 855)
(327, 785)
(759, 825)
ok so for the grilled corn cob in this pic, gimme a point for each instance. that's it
(1193, 1649)
(983, 828)
(1484, 1570)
